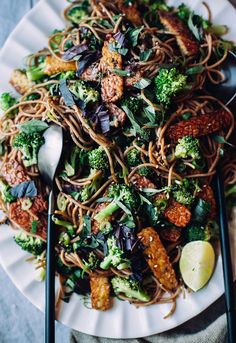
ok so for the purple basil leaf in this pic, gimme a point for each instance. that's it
(120, 38)
(87, 59)
(74, 51)
(126, 238)
(24, 189)
(103, 117)
(66, 94)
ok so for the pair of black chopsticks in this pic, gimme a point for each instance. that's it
(226, 257)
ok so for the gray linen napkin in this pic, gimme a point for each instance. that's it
(208, 327)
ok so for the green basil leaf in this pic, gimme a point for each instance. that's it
(133, 35)
(32, 126)
(121, 72)
(201, 211)
(195, 70)
(142, 83)
(144, 56)
(150, 113)
(193, 28)
(86, 225)
(130, 115)
(221, 140)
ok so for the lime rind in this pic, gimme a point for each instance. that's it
(196, 264)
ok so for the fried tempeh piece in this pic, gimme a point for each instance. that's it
(177, 214)
(131, 80)
(157, 258)
(201, 125)
(117, 115)
(20, 81)
(112, 87)
(140, 182)
(14, 173)
(207, 194)
(25, 218)
(100, 293)
(171, 234)
(92, 73)
(185, 39)
(54, 66)
(112, 84)
(131, 12)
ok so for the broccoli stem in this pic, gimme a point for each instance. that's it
(36, 73)
(106, 212)
(106, 263)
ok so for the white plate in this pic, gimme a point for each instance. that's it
(123, 320)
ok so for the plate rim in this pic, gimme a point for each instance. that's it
(151, 331)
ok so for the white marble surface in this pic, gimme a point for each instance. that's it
(20, 321)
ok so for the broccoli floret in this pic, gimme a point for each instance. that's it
(92, 262)
(167, 83)
(7, 101)
(29, 145)
(146, 135)
(5, 192)
(185, 191)
(188, 147)
(183, 197)
(115, 256)
(134, 104)
(36, 72)
(122, 195)
(70, 164)
(98, 160)
(88, 190)
(84, 92)
(78, 12)
(129, 288)
(33, 245)
(134, 159)
(198, 233)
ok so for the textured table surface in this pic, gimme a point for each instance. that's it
(20, 321)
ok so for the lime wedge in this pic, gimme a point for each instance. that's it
(197, 263)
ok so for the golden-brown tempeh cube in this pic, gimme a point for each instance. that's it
(177, 214)
(185, 39)
(54, 66)
(100, 293)
(14, 173)
(20, 81)
(131, 12)
(92, 73)
(140, 182)
(112, 87)
(110, 59)
(117, 115)
(201, 125)
(171, 234)
(112, 84)
(157, 258)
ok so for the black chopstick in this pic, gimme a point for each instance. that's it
(50, 276)
(226, 257)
